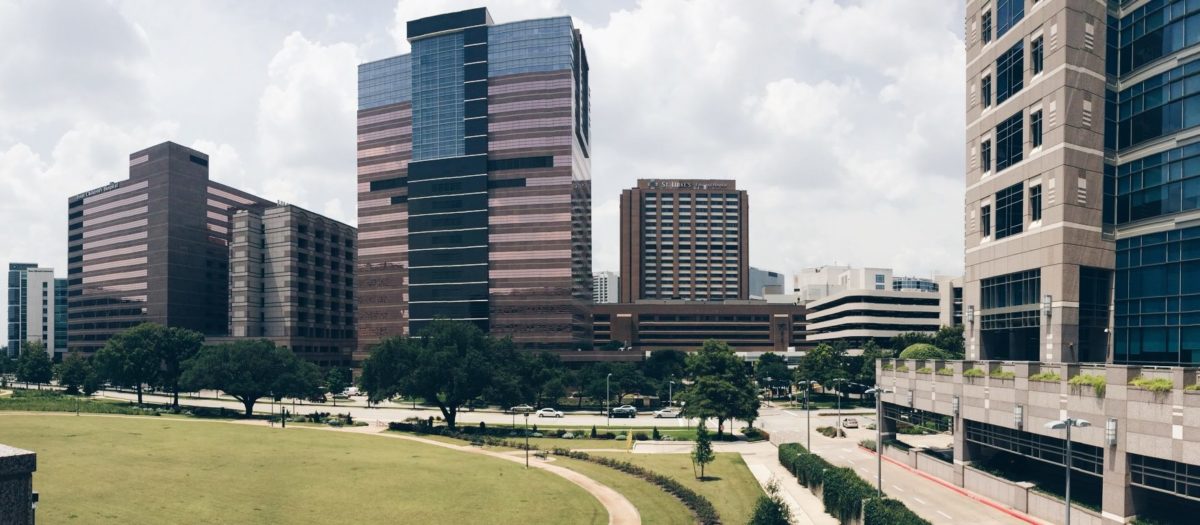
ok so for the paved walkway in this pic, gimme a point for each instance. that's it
(620, 510)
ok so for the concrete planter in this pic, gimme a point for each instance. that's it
(1045, 386)
(1145, 396)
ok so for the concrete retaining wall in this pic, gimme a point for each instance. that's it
(903, 456)
(1015, 495)
(16, 485)
(934, 467)
(1050, 509)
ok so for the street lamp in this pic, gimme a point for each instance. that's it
(1067, 424)
(671, 393)
(808, 413)
(878, 390)
(526, 438)
(607, 396)
(770, 393)
(839, 407)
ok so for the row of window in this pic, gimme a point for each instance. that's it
(1009, 211)
(1010, 146)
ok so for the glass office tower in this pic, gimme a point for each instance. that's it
(474, 184)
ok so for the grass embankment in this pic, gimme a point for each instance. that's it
(729, 485)
(655, 505)
(55, 401)
(159, 470)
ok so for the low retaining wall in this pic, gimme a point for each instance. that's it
(16, 485)
(906, 457)
(1013, 494)
(1050, 509)
(935, 467)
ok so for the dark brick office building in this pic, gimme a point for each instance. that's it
(684, 240)
(152, 248)
(474, 186)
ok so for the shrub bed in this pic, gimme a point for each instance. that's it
(1003, 374)
(946, 371)
(974, 372)
(1046, 377)
(1157, 385)
(54, 401)
(1096, 381)
(705, 513)
(843, 492)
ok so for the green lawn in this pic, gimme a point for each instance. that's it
(655, 505)
(730, 486)
(159, 470)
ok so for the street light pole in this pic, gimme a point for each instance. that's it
(839, 409)
(607, 396)
(671, 394)
(526, 439)
(808, 415)
(878, 391)
(1067, 424)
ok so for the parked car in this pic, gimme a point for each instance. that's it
(549, 412)
(849, 422)
(622, 411)
(668, 412)
(520, 409)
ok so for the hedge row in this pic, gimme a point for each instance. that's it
(475, 439)
(890, 511)
(705, 513)
(843, 492)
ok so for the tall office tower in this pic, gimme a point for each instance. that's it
(292, 281)
(36, 308)
(763, 282)
(1040, 255)
(604, 287)
(684, 240)
(474, 182)
(151, 248)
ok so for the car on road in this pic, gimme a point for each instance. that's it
(668, 412)
(622, 411)
(520, 409)
(849, 422)
(549, 412)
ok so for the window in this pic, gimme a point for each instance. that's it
(985, 87)
(1010, 210)
(1035, 55)
(1009, 142)
(1010, 72)
(986, 23)
(1035, 203)
(1008, 13)
(985, 156)
(985, 220)
(1035, 128)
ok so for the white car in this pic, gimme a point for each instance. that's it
(549, 412)
(668, 412)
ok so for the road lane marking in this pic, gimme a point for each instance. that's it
(919, 500)
(947, 516)
(897, 487)
(864, 470)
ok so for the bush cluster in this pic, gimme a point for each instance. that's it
(891, 512)
(705, 513)
(974, 372)
(1046, 377)
(1003, 374)
(843, 492)
(756, 434)
(54, 401)
(1157, 385)
(925, 370)
(945, 371)
(1096, 381)
(831, 432)
(474, 438)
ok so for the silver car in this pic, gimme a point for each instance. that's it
(668, 412)
(549, 412)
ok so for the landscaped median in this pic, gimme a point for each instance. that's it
(846, 496)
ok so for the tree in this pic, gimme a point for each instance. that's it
(73, 372)
(175, 346)
(337, 380)
(627, 379)
(250, 369)
(702, 453)
(904, 340)
(771, 509)
(721, 387)
(34, 365)
(771, 370)
(449, 363)
(870, 353)
(950, 339)
(924, 351)
(131, 358)
(822, 364)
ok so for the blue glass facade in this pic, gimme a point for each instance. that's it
(1156, 313)
(384, 82)
(437, 97)
(530, 46)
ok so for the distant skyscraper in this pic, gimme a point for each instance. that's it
(763, 282)
(685, 240)
(474, 182)
(36, 308)
(604, 287)
(152, 248)
(292, 282)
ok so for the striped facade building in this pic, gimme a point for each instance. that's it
(474, 182)
(152, 248)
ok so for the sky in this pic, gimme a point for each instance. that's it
(843, 120)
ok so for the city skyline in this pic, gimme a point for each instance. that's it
(273, 104)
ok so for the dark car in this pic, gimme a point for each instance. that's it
(622, 411)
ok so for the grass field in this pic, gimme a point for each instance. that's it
(656, 506)
(158, 470)
(730, 486)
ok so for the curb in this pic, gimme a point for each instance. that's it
(1002, 508)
